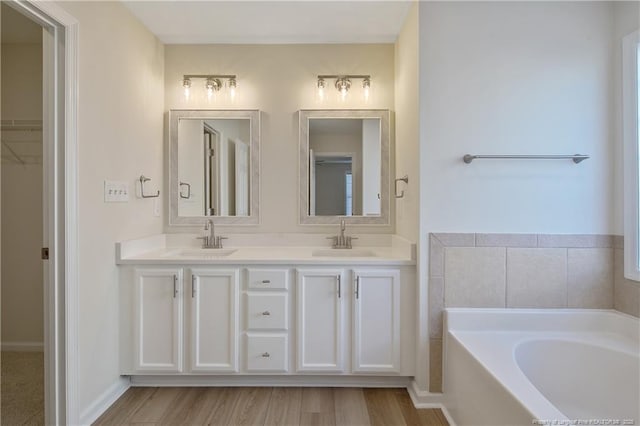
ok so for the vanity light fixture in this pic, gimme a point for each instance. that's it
(343, 84)
(213, 83)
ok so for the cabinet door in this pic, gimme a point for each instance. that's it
(320, 320)
(158, 320)
(376, 321)
(214, 320)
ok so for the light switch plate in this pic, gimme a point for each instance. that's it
(116, 191)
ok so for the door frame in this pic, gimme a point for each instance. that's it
(60, 207)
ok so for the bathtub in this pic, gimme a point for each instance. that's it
(541, 366)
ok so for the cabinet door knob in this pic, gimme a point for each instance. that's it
(266, 355)
(266, 313)
(266, 281)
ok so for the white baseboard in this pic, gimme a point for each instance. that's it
(104, 401)
(426, 399)
(266, 380)
(23, 346)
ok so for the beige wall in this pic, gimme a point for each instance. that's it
(407, 141)
(279, 80)
(22, 290)
(626, 19)
(120, 137)
(516, 78)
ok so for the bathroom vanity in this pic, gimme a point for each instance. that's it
(265, 311)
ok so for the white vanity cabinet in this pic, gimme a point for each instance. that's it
(157, 320)
(266, 320)
(267, 313)
(214, 311)
(354, 311)
(158, 304)
(320, 320)
(376, 340)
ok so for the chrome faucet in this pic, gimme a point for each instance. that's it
(211, 241)
(342, 241)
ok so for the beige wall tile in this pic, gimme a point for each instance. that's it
(435, 365)
(456, 240)
(536, 278)
(590, 278)
(474, 277)
(506, 240)
(575, 241)
(436, 304)
(626, 293)
(618, 241)
(436, 257)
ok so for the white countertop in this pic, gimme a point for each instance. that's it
(168, 250)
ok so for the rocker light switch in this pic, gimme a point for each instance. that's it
(116, 192)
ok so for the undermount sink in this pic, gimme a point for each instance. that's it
(202, 253)
(342, 253)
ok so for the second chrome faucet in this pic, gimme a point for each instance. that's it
(210, 241)
(342, 241)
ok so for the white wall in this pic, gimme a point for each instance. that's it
(280, 80)
(120, 137)
(516, 78)
(626, 21)
(22, 289)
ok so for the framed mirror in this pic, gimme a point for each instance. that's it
(214, 173)
(344, 166)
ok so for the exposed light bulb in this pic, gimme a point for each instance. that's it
(213, 85)
(321, 86)
(343, 84)
(232, 88)
(366, 86)
(186, 84)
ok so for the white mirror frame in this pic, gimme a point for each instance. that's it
(254, 166)
(303, 178)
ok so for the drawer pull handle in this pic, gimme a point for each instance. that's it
(266, 355)
(266, 313)
(266, 281)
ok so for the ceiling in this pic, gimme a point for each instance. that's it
(272, 22)
(17, 28)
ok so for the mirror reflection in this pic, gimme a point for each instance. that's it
(344, 166)
(213, 166)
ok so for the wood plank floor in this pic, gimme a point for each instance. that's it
(268, 406)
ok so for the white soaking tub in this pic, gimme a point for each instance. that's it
(541, 366)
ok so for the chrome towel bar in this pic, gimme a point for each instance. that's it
(577, 158)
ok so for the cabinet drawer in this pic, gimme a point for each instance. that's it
(270, 279)
(267, 353)
(267, 311)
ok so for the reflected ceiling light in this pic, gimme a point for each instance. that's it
(213, 83)
(343, 84)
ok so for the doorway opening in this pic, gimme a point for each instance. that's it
(22, 219)
(41, 139)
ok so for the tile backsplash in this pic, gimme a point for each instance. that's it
(524, 271)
